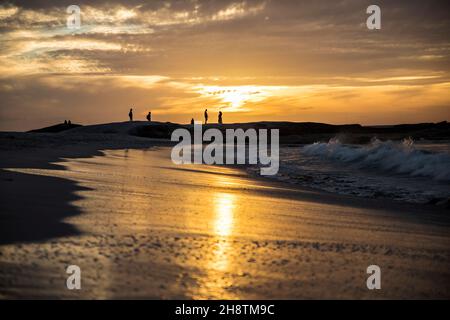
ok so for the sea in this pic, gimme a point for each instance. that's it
(410, 171)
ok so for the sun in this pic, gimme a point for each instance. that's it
(234, 97)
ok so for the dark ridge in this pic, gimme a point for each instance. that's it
(56, 128)
(156, 130)
(290, 132)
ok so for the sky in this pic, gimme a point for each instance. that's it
(254, 60)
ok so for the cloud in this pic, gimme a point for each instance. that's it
(310, 59)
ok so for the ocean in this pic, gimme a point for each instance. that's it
(409, 171)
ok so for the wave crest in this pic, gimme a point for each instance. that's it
(402, 158)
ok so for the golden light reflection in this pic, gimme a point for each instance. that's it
(215, 282)
(223, 227)
(224, 207)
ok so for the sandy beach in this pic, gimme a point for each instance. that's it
(224, 153)
(141, 227)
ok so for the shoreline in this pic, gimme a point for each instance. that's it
(300, 237)
(91, 145)
(55, 153)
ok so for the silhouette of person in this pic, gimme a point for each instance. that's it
(192, 121)
(149, 116)
(206, 116)
(220, 117)
(69, 123)
(65, 121)
(130, 114)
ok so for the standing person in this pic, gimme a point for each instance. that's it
(206, 116)
(192, 121)
(149, 116)
(220, 117)
(130, 114)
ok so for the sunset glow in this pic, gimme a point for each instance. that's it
(253, 60)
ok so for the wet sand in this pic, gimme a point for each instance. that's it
(141, 227)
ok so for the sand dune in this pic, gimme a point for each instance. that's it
(290, 132)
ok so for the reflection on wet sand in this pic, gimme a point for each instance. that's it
(150, 229)
(215, 281)
(224, 206)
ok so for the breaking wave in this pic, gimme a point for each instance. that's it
(389, 156)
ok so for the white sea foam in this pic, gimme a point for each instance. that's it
(388, 156)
